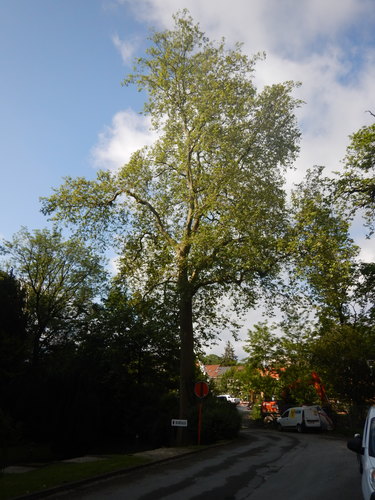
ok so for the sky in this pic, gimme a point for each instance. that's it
(64, 112)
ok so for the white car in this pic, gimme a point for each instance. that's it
(229, 398)
(364, 446)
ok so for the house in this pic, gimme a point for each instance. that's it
(215, 372)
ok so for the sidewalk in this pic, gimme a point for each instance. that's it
(153, 456)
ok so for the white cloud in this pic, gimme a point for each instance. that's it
(128, 132)
(367, 253)
(126, 48)
(265, 24)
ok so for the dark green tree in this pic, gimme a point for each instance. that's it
(343, 356)
(60, 280)
(229, 357)
(14, 348)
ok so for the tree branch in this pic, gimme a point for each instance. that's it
(155, 213)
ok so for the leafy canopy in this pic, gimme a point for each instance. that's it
(356, 185)
(202, 209)
(60, 280)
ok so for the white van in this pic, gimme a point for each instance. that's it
(304, 417)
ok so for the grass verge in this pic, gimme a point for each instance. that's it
(57, 474)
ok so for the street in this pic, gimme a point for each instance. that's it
(260, 464)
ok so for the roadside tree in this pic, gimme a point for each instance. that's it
(201, 212)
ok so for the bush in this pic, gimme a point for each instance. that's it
(220, 420)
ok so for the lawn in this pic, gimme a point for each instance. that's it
(60, 473)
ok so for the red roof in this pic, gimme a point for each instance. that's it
(214, 371)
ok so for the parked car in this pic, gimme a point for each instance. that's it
(364, 446)
(229, 398)
(303, 418)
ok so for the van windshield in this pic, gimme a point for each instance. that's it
(371, 441)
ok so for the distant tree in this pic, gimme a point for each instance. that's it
(60, 279)
(200, 212)
(263, 347)
(211, 359)
(229, 357)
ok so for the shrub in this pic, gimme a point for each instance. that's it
(220, 420)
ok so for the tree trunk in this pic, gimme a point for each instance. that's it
(186, 357)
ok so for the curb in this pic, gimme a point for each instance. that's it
(109, 475)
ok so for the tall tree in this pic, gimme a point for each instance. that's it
(60, 279)
(200, 212)
(322, 251)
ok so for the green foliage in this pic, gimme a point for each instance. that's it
(60, 280)
(211, 359)
(220, 420)
(229, 358)
(111, 385)
(356, 185)
(321, 250)
(341, 355)
(364, 294)
(263, 347)
(229, 382)
(280, 363)
(329, 308)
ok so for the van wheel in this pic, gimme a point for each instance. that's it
(299, 428)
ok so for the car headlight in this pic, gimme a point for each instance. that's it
(372, 478)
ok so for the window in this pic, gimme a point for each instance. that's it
(371, 439)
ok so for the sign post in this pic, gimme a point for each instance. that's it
(201, 390)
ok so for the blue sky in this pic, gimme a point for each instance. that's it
(63, 110)
(60, 86)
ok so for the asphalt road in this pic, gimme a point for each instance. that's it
(261, 464)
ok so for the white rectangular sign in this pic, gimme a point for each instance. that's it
(179, 423)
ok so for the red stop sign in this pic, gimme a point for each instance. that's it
(201, 389)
